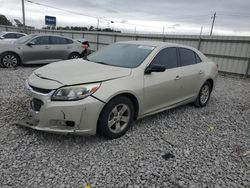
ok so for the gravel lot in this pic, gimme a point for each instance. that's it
(183, 147)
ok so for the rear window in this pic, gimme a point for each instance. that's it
(198, 59)
(187, 57)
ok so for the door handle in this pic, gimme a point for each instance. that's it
(177, 78)
(200, 72)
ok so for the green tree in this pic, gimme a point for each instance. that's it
(4, 20)
(91, 28)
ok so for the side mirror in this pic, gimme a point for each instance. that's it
(30, 44)
(155, 68)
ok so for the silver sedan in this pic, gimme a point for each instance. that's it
(38, 49)
(117, 85)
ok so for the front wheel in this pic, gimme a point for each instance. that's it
(204, 95)
(9, 60)
(116, 118)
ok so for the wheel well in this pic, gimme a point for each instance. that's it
(19, 58)
(133, 99)
(74, 53)
(211, 82)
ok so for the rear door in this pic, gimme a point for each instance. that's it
(60, 47)
(39, 50)
(162, 89)
(191, 73)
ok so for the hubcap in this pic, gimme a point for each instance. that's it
(119, 118)
(74, 57)
(9, 61)
(205, 92)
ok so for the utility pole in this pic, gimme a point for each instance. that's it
(24, 27)
(201, 31)
(98, 23)
(163, 30)
(213, 17)
(135, 29)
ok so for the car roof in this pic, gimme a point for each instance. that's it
(52, 35)
(156, 43)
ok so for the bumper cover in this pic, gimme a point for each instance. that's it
(33, 124)
(54, 115)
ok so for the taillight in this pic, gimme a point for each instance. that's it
(84, 46)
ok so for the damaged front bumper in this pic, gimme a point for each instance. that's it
(63, 117)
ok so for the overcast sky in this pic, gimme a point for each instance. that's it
(177, 16)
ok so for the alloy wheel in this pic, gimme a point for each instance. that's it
(119, 118)
(205, 92)
(10, 61)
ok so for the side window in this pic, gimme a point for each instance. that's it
(9, 36)
(43, 40)
(198, 59)
(69, 41)
(19, 36)
(58, 40)
(166, 57)
(187, 57)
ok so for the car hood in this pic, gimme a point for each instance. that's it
(79, 71)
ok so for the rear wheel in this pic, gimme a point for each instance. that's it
(116, 118)
(9, 60)
(74, 55)
(204, 95)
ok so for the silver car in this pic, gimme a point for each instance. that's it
(5, 35)
(117, 85)
(39, 49)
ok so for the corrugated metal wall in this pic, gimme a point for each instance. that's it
(232, 53)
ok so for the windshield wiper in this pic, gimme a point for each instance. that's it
(103, 63)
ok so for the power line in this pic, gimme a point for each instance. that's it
(234, 15)
(65, 10)
(176, 19)
(141, 25)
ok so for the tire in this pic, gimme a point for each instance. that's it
(116, 118)
(9, 60)
(74, 55)
(204, 95)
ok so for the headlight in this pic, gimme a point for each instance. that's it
(75, 92)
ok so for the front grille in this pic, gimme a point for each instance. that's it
(36, 104)
(40, 90)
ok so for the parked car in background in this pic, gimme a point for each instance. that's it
(39, 49)
(116, 85)
(11, 35)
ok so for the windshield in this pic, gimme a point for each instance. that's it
(24, 39)
(122, 55)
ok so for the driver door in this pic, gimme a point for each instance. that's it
(37, 50)
(162, 89)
